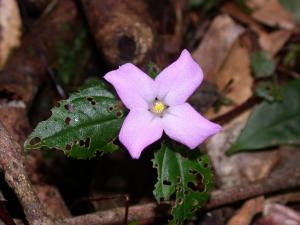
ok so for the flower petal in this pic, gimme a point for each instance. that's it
(140, 129)
(135, 88)
(185, 125)
(177, 82)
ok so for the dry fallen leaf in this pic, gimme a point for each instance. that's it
(249, 209)
(216, 44)
(241, 168)
(273, 42)
(10, 28)
(271, 13)
(235, 75)
(270, 42)
(276, 214)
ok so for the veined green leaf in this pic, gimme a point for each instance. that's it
(87, 122)
(189, 177)
(262, 65)
(272, 124)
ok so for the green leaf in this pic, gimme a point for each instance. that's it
(242, 5)
(69, 54)
(87, 122)
(293, 6)
(205, 4)
(153, 70)
(272, 124)
(268, 91)
(189, 177)
(262, 65)
(290, 58)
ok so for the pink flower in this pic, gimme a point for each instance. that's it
(160, 105)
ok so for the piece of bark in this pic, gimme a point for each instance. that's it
(249, 209)
(122, 29)
(14, 171)
(216, 45)
(10, 28)
(14, 118)
(25, 71)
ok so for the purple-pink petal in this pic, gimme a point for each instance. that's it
(185, 125)
(177, 82)
(140, 129)
(135, 88)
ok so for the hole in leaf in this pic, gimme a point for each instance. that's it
(91, 100)
(205, 165)
(194, 210)
(165, 182)
(81, 143)
(110, 109)
(119, 114)
(68, 120)
(195, 202)
(193, 172)
(180, 201)
(35, 141)
(192, 186)
(178, 179)
(199, 186)
(69, 107)
(87, 142)
(68, 147)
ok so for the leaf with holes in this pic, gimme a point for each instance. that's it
(87, 122)
(272, 124)
(187, 174)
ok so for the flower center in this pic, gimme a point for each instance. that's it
(158, 107)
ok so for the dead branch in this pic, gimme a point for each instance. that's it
(281, 180)
(122, 29)
(19, 82)
(117, 215)
(11, 163)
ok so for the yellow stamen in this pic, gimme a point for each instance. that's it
(158, 107)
